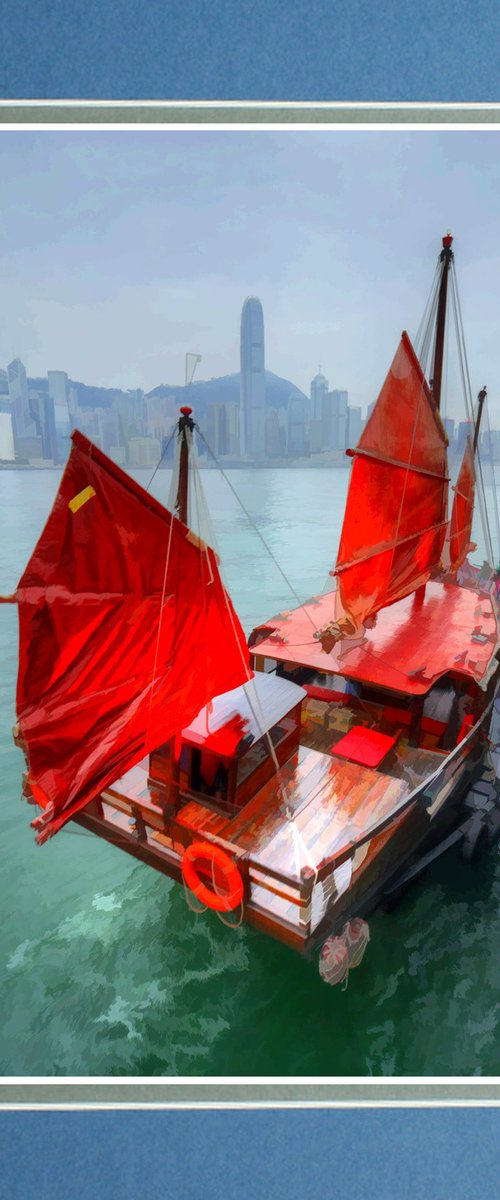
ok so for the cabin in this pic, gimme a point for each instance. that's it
(224, 755)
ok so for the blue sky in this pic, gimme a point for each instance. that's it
(120, 250)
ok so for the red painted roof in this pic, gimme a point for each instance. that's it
(412, 644)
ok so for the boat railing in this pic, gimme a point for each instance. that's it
(424, 794)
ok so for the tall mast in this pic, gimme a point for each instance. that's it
(437, 372)
(181, 503)
(480, 401)
(181, 506)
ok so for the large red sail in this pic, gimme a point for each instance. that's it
(462, 511)
(395, 520)
(125, 632)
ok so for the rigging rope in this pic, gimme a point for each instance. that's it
(162, 456)
(491, 462)
(469, 407)
(300, 603)
(423, 334)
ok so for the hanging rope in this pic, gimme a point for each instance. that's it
(300, 603)
(162, 456)
(469, 407)
(491, 463)
(427, 324)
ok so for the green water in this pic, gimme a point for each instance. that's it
(104, 970)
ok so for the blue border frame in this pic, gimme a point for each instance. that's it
(242, 1155)
(399, 50)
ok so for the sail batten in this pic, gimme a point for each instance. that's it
(395, 519)
(383, 547)
(125, 630)
(394, 462)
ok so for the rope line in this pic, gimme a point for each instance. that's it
(162, 456)
(300, 603)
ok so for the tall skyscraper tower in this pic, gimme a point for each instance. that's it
(252, 380)
(22, 420)
(59, 393)
(319, 388)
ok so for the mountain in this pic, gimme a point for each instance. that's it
(202, 393)
(226, 389)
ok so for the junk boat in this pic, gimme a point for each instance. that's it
(298, 781)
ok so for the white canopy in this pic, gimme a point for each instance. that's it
(262, 702)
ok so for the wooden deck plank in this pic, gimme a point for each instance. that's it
(332, 800)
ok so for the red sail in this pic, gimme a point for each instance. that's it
(395, 519)
(462, 511)
(125, 632)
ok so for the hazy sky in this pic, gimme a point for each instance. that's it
(122, 250)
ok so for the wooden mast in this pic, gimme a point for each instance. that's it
(480, 401)
(185, 425)
(446, 258)
(437, 373)
(181, 503)
(164, 763)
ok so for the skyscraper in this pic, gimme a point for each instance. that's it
(252, 380)
(58, 390)
(334, 424)
(319, 388)
(22, 420)
(298, 425)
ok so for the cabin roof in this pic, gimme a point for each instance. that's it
(261, 703)
(411, 645)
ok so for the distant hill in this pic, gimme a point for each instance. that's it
(226, 389)
(202, 392)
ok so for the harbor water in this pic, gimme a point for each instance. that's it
(104, 970)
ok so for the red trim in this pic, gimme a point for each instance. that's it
(399, 715)
(324, 693)
(465, 728)
(435, 727)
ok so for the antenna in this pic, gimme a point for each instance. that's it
(192, 361)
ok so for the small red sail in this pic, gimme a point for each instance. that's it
(395, 520)
(462, 511)
(126, 631)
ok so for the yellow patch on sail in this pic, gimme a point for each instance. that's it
(81, 499)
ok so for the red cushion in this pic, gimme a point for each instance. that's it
(364, 746)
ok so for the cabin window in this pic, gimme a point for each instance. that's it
(296, 674)
(284, 737)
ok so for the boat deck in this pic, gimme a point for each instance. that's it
(322, 805)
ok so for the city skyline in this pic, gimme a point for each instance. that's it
(122, 250)
(135, 428)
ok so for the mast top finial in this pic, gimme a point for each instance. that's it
(186, 410)
(447, 240)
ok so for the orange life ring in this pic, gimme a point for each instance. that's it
(213, 856)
